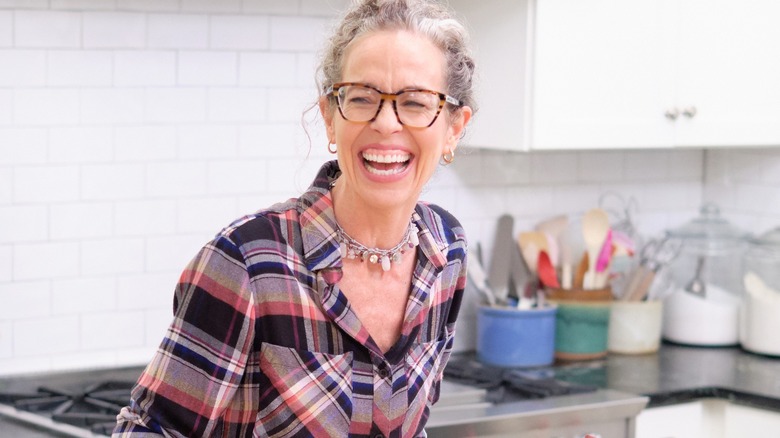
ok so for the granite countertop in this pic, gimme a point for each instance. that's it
(677, 374)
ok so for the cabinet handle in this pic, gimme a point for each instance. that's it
(689, 111)
(672, 113)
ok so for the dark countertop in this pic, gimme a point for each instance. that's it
(677, 374)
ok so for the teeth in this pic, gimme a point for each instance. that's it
(380, 158)
(376, 171)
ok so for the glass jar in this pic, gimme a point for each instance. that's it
(704, 309)
(761, 301)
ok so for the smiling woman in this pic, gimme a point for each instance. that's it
(333, 314)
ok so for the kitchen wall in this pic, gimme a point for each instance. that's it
(131, 131)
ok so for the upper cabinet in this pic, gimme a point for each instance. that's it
(595, 74)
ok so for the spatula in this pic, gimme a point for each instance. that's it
(546, 271)
(595, 226)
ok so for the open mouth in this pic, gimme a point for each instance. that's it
(386, 164)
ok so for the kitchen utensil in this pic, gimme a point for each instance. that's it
(595, 226)
(500, 261)
(553, 228)
(603, 261)
(478, 278)
(522, 279)
(697, 285)
(655, 255)
(531, 243)
(579, 275)
(547, 271)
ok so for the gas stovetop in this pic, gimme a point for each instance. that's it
(78, 404)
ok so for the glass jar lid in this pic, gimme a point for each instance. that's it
(768, 244)
(709, 231)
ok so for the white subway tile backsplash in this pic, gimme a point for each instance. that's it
(288, 176)
(147, 291)
(6, 107)
(46, 183)
(22, 68)
(142, 143)
(298, 34)
(208, 141)
(323, 7)
(81, 220)
(6, 29)
(176, 179)
(46, 106)
(147, 217)
(38, 261)
(49, 29)
(25, 299)
(6, 263)
(112, 105)
(175, 105)
(85, 144)
(112, 181)
(24, 223)
(288, 104)
(239, 32)
(112, 256)
(207, 68)
(114, 30)
(110, 330)
(83, 295)
(148, 5)
(83, 4)
(268, 140)
(6, 185)
(46, 336)
(27, 4)
(554, 168)
(6, 339)
(273, 7)
(239, 176)
(145, 68)
(240, 105)
(172, 253)
(210, 6)
(206, 215)
(173, 31)
(268, 69)
(22, 146)
(600, 166)
(79, 68)
(156, 325)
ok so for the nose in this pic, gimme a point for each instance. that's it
(387, 120)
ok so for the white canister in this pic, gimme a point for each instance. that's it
(759, 320)
(635, 327)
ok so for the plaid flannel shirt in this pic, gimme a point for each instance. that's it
(263, 342)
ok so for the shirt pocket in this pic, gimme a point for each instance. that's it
(304, 393)
(425, 364)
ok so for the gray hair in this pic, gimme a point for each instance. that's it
(424, 17)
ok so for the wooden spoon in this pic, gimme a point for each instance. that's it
(595, 226)
(531, 243)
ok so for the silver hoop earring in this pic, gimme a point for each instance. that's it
(332, 149)
(448, 157)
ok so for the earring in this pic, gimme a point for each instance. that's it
(448, 157)
(332, 149)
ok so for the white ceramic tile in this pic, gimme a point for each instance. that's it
(84, 360)
(210, 6)
(272, 140)
(147, 291)
(6, 107)
(176, 179)
(207, 68)
(25, 365)
(22, 68)
(81, 220)
(81, 295)
(6, 340)
(145, 218)
(288, 176)
(148, 5)
(24, 223)
(239, 32)
(206, 215)
(288, 104)
(156, 325)
(110, 330)
(24, 299)
(268, 69)
(50, 29)
(145, 143)
(46, 183)
(112, 105)
(299, 34)
(79, 68)
(240, 105)
(174, 105)
(6, 263)
(112, 181)
(112, 256)
(22, 145)
(145, 68)
(177, 31)
(306, 66)
(173, 253)
(686, 165)
(553, 167)
(46, 106)
(34, 261)
(6, 185)
(83, 4)
(6, 29)
(600, 166)
(270, 6)
(225, 177)
(208, 141)
(327, 8)
(81, 144)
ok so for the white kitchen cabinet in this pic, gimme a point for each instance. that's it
(573, 74)
(708, 418)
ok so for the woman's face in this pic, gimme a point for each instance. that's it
(386, 164)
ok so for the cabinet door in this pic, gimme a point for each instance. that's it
(603, 74)
(729, 71)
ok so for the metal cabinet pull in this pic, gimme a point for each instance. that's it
(689, 111)
(672, 113)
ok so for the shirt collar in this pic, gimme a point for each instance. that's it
(318, 226)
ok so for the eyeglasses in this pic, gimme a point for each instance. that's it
(413, 107)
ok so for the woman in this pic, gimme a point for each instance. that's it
(333, 314)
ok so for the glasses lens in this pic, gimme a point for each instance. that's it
(358, 103)
(417, 108)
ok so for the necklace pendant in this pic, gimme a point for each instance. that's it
(396, 257)
(385, 263)
(373, 258)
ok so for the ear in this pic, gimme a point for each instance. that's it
(327, 116)
(459, 121)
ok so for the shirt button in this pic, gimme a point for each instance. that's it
(379, 435)
(383, 373)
